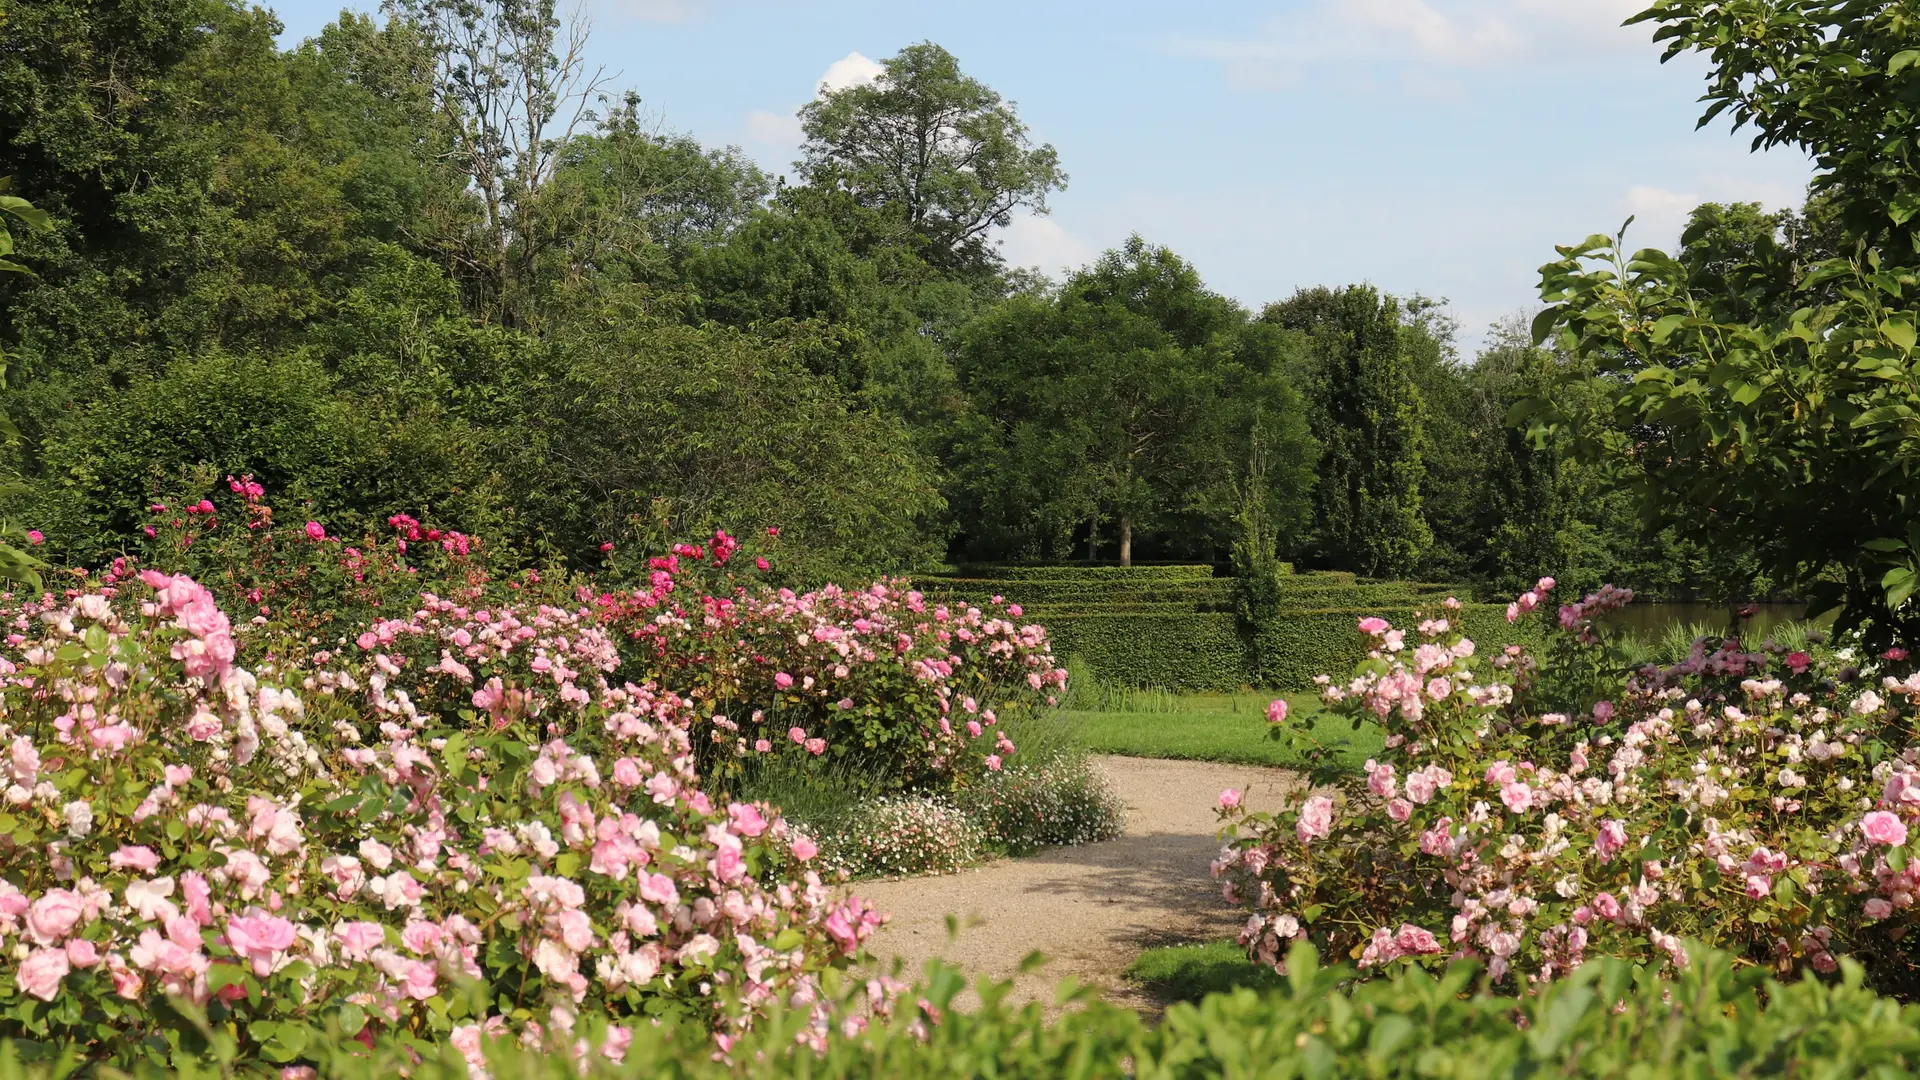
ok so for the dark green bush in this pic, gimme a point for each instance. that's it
(1067, 591)
(1084, 572)
(1606, 1019)
(1177, 651)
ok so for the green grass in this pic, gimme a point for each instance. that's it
(1190, 972)
(1219, 727)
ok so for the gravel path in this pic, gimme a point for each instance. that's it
(1089, 909)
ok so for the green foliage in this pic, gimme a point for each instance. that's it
(1176, 651)
(15, 564)
(1740, 392)
(1189, 973)
(1367, 419)
(1133, 396)
(930, 151)
(1607, 1019)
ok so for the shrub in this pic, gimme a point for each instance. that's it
(1606, 1020)
(1178, 652)
(903, 835)
(1749, 799)
(1056, 802)
(348, 846)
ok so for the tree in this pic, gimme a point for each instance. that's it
(15, 564)
(512, 87)
(1791, 426)
(929, 152)
(1367, 419)
(1131, 395)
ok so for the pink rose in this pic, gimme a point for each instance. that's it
(797, 734)
(1517, 796)
(1400, 810)
(357, 939)
(1606, 906)
(1277, 711)
(143, 859)
(1878, 908)
(1229, 799)
(658, 889)
(783, 680)
(626, 773)
(54, 916)
(1611, 838)
(1316, 819)
(82, 953)
(816, 747)
(260, 938)
(747, 820)
(315, 531)
(1882, 827)
(804, 849)
(1374, 625)
(41, 972)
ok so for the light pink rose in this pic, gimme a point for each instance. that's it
(143, 859)
(1878, 908)
(1277, 711)
(1316, 819)
(54, 916)
(804, 849)
(1229, 799)
(41, 972)
(1373, 625)
(1610, 839)
(1882, 827)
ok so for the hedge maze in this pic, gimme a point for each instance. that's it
(1175, 627)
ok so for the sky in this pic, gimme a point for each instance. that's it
(1439, 147)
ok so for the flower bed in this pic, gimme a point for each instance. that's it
(1535, 812)
(481, 812)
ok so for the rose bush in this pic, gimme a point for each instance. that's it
(354, 847)
(1757, 800)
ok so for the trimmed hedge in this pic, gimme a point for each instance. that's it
(1071, 572)
(1035, 593)
(1173, 627)
(1295, 645)
(1179, 651)
(1607, 1018)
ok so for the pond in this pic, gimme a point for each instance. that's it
(1650, 622)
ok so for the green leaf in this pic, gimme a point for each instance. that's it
(1897, 859)
(1902, 61)
(1544, 323)
(1899, 332)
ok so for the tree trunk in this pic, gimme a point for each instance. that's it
(1126, 540)
(1093, 539)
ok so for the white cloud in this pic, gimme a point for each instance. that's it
(1415, 39)
(850, 70)
(773, 128)
(779, 132)
(1658, 215)
(1042, 243)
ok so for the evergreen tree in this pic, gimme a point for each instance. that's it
(1367, 511)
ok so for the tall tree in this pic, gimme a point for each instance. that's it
(929, 153)
(1368, 422)
(513, 88)
(1129, 397)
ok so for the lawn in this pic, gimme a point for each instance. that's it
(1215, 727)
(1190, 972)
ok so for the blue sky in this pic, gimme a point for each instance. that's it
(1432, 146)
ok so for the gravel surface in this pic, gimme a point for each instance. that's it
(1089, 909)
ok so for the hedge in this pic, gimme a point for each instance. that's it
(1289, 649)
(1179, 651)
(1031, 593)
(1605, 1019)
(1398, 594)
(1071, 572)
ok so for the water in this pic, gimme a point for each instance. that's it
(1650, 622)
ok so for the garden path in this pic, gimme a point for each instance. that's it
(1089, 909)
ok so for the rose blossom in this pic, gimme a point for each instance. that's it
(1316, 819)
(1882, 827)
